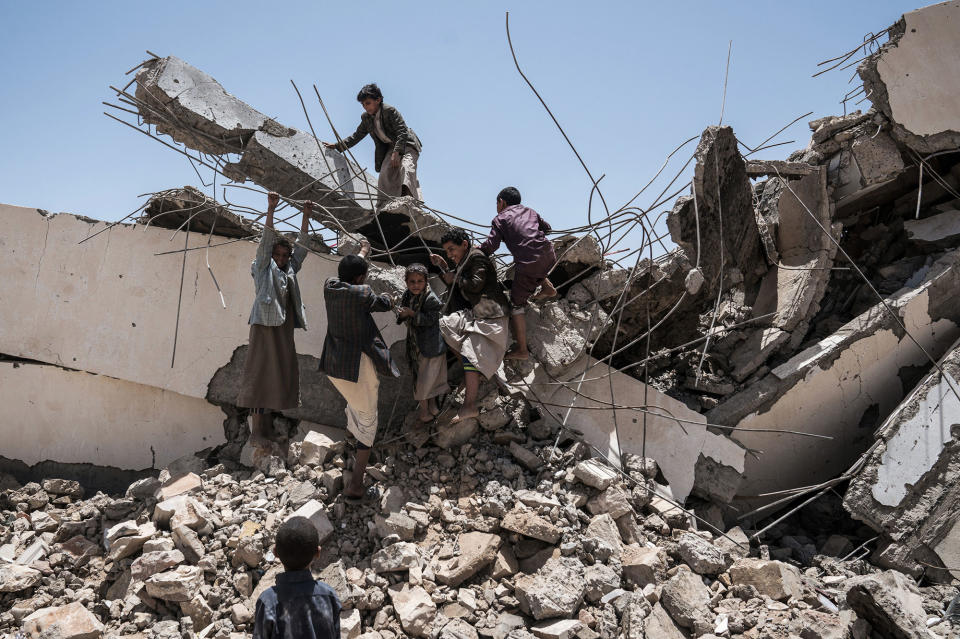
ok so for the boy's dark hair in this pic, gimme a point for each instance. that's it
(369, 91)
(416, 267)
(296, 543)
(351, 267)
(284, 242)
(455, 235)
(510, 195)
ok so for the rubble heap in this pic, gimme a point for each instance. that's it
(486, 539)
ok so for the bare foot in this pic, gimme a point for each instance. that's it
(546, 292)
(516, 353)
(425, 415)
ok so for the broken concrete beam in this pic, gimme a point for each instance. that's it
(178, 208)
(721, 224)
(763, 168)
(96, 407)
(937, 231)
(908, 489)
(676, 436)
(63, 319)
(914, 79)
(842, 387)
(799, 212)
(194, 109)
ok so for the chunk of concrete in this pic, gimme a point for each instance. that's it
(702, 556)
(912, 79)
(317, 448)
(774, 579)
(396, 558)
(180, 584)
(72, 621)
(556, 590)
(14, 577)
(940, 230)
(642, 565)
(317, 514)
(175, 208)
(530, 524)
(687, 599)
(723, 192)
(414, 608)
(891, 602)
(477, 550)
(908, 487)
(837, 383)
(659, 624)
(595, 473)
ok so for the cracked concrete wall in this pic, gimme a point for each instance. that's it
(53, 414)
(908, 489)
(829, 388)
(677, 446)
(109, 305)
(914, 79)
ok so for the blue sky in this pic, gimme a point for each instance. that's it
(627, 80)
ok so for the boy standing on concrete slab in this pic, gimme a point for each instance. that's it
(525, 234)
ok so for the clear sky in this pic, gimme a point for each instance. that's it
(628, 81)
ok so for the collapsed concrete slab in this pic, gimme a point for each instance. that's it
(178, 208)
(798, 212)
(72, 417)
(914, 79)
(909, 487)
(692, 459)
(840, 387)
(195, 110)
(720, 224)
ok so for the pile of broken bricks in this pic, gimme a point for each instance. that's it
(485, 539)
(815, 296)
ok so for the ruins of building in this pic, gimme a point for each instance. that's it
(812, 347)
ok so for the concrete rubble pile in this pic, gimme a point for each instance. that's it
(484, 539)
(591, 496)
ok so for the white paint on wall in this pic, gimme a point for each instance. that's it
(75, 417)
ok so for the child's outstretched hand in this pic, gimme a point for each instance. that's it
(438, 260)
(273, 198)
(404, 312)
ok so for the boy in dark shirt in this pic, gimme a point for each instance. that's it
(299, 606)
(525, 234)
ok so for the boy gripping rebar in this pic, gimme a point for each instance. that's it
(524, 232)
(271, 376)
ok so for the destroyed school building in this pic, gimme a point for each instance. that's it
(753, 435)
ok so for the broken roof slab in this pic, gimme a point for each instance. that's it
(914, 79)
(840, 387)
(674, 435)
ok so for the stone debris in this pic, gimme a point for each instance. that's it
(508, 525)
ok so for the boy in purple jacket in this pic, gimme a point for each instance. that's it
(524, 232)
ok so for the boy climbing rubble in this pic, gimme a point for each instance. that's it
(524, 232)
